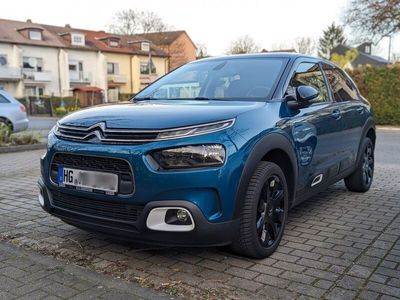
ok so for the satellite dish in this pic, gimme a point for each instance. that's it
(32, 62)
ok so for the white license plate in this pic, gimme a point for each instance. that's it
(88, 180)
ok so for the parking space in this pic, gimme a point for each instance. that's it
(336, 245)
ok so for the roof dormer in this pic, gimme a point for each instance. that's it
(111, 41)
(74, 38)
(32, 32)
(77, 39)
(144, 45)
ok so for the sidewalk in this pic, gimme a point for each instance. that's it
(27, 275)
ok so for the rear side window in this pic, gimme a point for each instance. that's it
(309, 74)
(3, 99)
(342, 87)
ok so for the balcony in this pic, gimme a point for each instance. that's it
(147, 79)
(37, 76)
(80, 77)
(10, 74)
(117, 78)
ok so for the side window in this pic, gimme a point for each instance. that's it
(309, 74)
(342, 87)
(3, 99)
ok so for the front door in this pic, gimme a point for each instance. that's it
(316, 130)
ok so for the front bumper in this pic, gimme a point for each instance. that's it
(205, 233)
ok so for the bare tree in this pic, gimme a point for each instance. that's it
(201, 50)
(125, 22)
(131, 21)
(244, 44)
(280, 46)
(374, 19)
(151, 22)
(304, 45)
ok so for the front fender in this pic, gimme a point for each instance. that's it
(271, 141)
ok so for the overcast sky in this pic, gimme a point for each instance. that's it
(215, 23)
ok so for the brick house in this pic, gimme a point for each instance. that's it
(177, 44)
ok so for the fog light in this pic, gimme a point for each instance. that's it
(182, 215)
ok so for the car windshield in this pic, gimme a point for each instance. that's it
(219, 79)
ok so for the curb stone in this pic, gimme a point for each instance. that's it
(21, 148)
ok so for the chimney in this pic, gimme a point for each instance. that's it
(28, 21)
(67, 26)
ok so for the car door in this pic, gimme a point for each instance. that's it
(315, 130)
(353, 112)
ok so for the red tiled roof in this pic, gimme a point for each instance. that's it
(9, 34)
(164, 38)
(53, 37)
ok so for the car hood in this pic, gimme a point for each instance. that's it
(159, 114)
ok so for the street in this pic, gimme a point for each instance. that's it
(337, 245)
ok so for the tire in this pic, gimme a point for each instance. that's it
(5, 128)
(361, 179)
(264, 212)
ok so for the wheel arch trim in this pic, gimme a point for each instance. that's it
(270, 142)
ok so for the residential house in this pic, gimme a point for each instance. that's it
(127, 62)
(29, 59)
(364, 56)
(37, 59)
(177, 44)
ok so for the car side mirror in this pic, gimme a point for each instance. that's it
(305, 94)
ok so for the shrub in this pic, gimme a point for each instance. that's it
(22, 138)
(25, 138)
(61, 111)
(5, 131)
(381, 86)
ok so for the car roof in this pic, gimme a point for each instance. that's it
(286, 55)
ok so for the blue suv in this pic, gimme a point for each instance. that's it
(213, 153)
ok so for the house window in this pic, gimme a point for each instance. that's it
(32, 63)
(145, 46)
(368, 49)
(112, 68)
(34, 91)
(35, 35)
(144, 68)
(113, 43)
(75, 66)
(77, 39)
(3, 60)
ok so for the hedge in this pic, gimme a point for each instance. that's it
(381, 86)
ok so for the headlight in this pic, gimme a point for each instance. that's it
(195, 130)
(188, 157)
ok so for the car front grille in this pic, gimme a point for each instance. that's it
(96, 163)
(99, 133)
(110, 210)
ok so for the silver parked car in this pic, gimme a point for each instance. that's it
(12, 113)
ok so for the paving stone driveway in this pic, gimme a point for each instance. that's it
(337, 245)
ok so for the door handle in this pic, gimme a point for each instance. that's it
(336, 114)
(360, 110)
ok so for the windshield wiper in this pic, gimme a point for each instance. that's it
(145, 98)
(200, 98)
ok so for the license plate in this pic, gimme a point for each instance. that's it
(88, 180)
